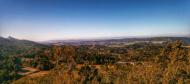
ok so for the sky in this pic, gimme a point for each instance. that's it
(41, 20)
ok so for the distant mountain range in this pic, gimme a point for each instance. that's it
(186, 40)
(11, 46)
(13, 42)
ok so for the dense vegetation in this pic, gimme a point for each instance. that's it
(139, 63)
(12, 51)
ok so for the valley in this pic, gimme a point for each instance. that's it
(131, 62)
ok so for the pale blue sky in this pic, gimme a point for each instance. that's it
(41, 20)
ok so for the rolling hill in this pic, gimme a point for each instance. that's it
(13, 46)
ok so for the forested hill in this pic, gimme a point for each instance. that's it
(13, 46)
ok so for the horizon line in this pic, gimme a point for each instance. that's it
(96, 38)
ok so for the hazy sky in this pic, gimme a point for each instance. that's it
(40, 20)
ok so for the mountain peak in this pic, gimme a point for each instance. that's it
(11, 38)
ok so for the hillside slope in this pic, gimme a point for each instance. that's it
(13, 46)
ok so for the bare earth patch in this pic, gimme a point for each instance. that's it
(32, 72)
